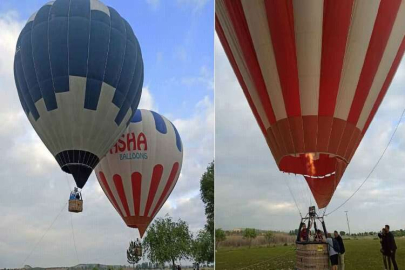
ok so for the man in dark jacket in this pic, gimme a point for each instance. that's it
(391, 245)
(342, 251)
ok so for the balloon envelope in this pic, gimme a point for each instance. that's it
(314, 74)
(141, 169)
(79, 72)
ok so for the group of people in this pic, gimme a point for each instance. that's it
(336, 247)
(75, 194)
(388, 248)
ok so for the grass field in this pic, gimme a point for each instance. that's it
(360, 254)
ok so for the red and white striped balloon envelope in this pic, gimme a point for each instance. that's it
(314, 74)
(141, 169)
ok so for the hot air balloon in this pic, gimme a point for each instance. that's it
(141, 169)
(314, 74)
(79, 73)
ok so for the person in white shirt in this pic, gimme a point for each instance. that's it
(333, 254)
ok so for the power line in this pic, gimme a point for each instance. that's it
(375, 166)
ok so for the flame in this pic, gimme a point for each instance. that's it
(310, 163)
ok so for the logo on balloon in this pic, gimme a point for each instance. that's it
(131, 146)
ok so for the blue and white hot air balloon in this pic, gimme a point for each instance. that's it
(79, 73)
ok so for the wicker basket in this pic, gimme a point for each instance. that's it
(75, 206)
(312, 256)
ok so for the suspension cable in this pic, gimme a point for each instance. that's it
(375, 166)
(292, 195)
(42, 237)
(71, 223)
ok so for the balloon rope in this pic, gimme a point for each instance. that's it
(74, 241)
(292, 195)
(71, 223)
(375, 166)
(44, 233)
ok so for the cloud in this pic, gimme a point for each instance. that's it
(251, 192)
(196, 5)
(147, 101)
(154, 4)
(34, 189)
(180, 54)
(205, 78)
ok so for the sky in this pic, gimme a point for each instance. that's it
(251, 192)
(176, 39)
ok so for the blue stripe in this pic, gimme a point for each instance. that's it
(58, 49)
(137, 117)
(40, 53)
(99, 40)
(79, 31)
(159, 123)
(178, 140)
(117, 49)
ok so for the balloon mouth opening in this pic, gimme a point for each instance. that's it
(310, 165)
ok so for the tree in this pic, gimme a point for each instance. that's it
(268, 236)
(167, 241)
(342, 233)
(202, 248)
(207, 196)
(219, 237)
(206, 240)
(250, 234)
(133, 255)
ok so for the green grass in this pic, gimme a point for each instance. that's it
(360, 254)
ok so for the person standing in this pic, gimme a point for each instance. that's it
(303, 233)
(333, 254)
(384, 249)
(391, 245)
(341, 251)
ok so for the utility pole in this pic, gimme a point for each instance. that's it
(348, 226)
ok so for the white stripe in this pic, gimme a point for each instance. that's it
(97, 5)
(361, 28)
(391, 50)
(256, 17)
(165, 158)
(32, 17)
(308, 20)
(229, 32)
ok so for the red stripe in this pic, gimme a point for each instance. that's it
(110, 196)
(280, 16)
(237, 17)
(386, 85)
(121, 193)
(336, 23)
(382, 29)
(136, 179)
(156, 177)
(231, 59)
(169, 183)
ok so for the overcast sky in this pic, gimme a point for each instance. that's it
(251, 192)
(176, 40)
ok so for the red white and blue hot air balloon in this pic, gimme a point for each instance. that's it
(79, 72)
(141, 169)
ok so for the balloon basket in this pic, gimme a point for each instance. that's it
(312, 254)
(75, 206)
